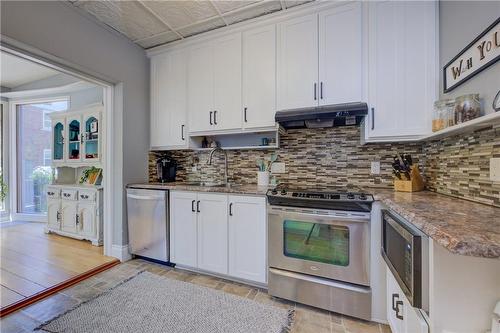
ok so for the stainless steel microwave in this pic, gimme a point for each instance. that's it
(405, 249)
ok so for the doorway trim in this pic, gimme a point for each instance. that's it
(112, 152)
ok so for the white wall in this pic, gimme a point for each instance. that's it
(459, 23)
(57, 28)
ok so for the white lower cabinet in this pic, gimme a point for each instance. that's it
(75, 212)
(212, 233)
(219, 233)
(401, 315)
(247, 238)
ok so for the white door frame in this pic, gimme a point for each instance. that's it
(111, 150)
(15, 215)
(5, 216)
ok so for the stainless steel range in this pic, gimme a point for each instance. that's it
(319, 249)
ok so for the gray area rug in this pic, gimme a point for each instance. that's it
(151, 303)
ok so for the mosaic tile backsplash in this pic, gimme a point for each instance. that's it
(323, 158)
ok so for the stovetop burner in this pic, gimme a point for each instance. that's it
(340, 199)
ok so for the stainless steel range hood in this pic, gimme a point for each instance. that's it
(323, 116)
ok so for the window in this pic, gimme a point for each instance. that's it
(3, 161)
(34, 147)
(46, 121)
(47, 157)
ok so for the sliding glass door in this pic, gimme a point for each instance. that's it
(34, 149)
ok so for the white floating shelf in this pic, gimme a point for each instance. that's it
(469, 126)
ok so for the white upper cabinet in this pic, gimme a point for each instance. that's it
(227, 82)
(298, 62)
(259, 77)
(402, 69)
(341, 55)
(214, 99)
(200, 88)
(168, 100)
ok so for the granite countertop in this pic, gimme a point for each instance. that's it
(461, 226)
(182, 186)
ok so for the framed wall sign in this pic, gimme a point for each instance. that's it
(481, 53)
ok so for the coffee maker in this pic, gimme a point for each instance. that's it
(166, 169)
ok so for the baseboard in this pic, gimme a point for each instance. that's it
(120, 252)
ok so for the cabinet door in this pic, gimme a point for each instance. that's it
(58, 137)
(68, 216)
(200, 88)
(92, 137)
(247, 238)
(227, 82)
(414, 321)
(53, 214)
(87, 219)
(340, 55)
(183, 228)
(74, 139)
(394, 294)
(177, 99)
(259, 77)
(212, 233)
(402, 69)
(298, 63)
(160, 117)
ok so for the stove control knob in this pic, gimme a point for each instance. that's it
(362, 197)
(283, 192)
(274, 192)
(350, 196)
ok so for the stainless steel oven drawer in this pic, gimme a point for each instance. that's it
(348, 299)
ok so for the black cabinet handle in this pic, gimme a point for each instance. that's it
(182, 132)
(245, 114)
(321, 90)
(198, 206)
(77, 219)
(398, 303)
(373, 118)
(231, 209)
(192, 206)
(315, 97)
(211, 118)
(394, 296)
(215, 117)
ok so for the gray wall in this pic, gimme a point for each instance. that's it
(58, 29)
(459, 23)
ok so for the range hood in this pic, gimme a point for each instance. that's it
(323, 116)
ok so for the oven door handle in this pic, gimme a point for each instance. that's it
(319, 218)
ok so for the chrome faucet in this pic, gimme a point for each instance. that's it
(209, 162)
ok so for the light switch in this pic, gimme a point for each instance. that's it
(278, 167)
(375, 168)
(495, 169)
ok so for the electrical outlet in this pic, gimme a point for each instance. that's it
(278, 167)
(375, 168)
(495, 169)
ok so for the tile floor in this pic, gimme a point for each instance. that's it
(307, 319)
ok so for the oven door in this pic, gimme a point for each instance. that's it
(329, 244)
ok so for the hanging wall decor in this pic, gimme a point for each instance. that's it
(481, 53)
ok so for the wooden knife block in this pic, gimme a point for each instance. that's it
(414, 185)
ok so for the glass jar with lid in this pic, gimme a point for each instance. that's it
(441, 115)
(467, 107)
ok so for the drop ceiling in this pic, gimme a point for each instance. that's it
(152, 23)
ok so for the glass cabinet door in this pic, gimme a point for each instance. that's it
(74, 139)
(91, 138)
(58, 142)
(316, 242)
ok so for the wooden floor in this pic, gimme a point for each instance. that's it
(32, 261)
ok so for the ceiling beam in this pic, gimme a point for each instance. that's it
(159, 18)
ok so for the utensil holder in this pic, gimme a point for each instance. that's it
(263, 178)
(415, 184)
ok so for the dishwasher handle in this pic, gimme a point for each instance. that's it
(143, 197)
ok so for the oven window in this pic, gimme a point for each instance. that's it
(316, 242)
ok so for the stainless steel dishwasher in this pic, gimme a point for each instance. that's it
(148, 224)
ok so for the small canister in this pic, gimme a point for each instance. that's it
(467, 107)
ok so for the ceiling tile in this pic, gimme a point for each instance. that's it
(160, 39)
(262, 8)
(128, 17)
(293, 3)
(182, 13)
(227, 5)
(202, 27)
